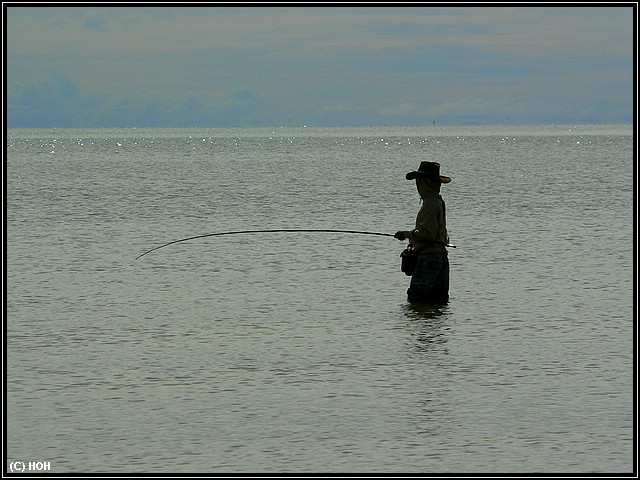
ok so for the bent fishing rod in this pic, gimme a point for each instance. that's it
(287, 230)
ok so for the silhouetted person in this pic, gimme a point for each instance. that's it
(430, 279)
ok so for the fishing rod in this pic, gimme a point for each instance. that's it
(265, 231)
(286, 230)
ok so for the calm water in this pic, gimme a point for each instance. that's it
(298, 352)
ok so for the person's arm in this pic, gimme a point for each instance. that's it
(426, 225)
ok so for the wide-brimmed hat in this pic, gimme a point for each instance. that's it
(428, 170)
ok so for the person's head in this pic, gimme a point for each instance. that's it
(428, 178)
(426, 185)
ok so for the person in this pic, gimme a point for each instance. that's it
(430, 279)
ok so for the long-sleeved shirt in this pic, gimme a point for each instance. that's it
(431, 233)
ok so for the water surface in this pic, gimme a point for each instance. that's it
(299, 352)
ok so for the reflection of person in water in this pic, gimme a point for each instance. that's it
(427, 323)
(430, 279)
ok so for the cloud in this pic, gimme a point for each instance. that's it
(393, 110)
(96, 23)
(44, 102)
(58, 102)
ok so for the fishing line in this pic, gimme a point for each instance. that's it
(267, 231)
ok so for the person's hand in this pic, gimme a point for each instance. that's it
(400, 235)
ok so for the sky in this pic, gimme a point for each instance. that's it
(102, 65)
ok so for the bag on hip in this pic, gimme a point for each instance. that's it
(409, 258)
